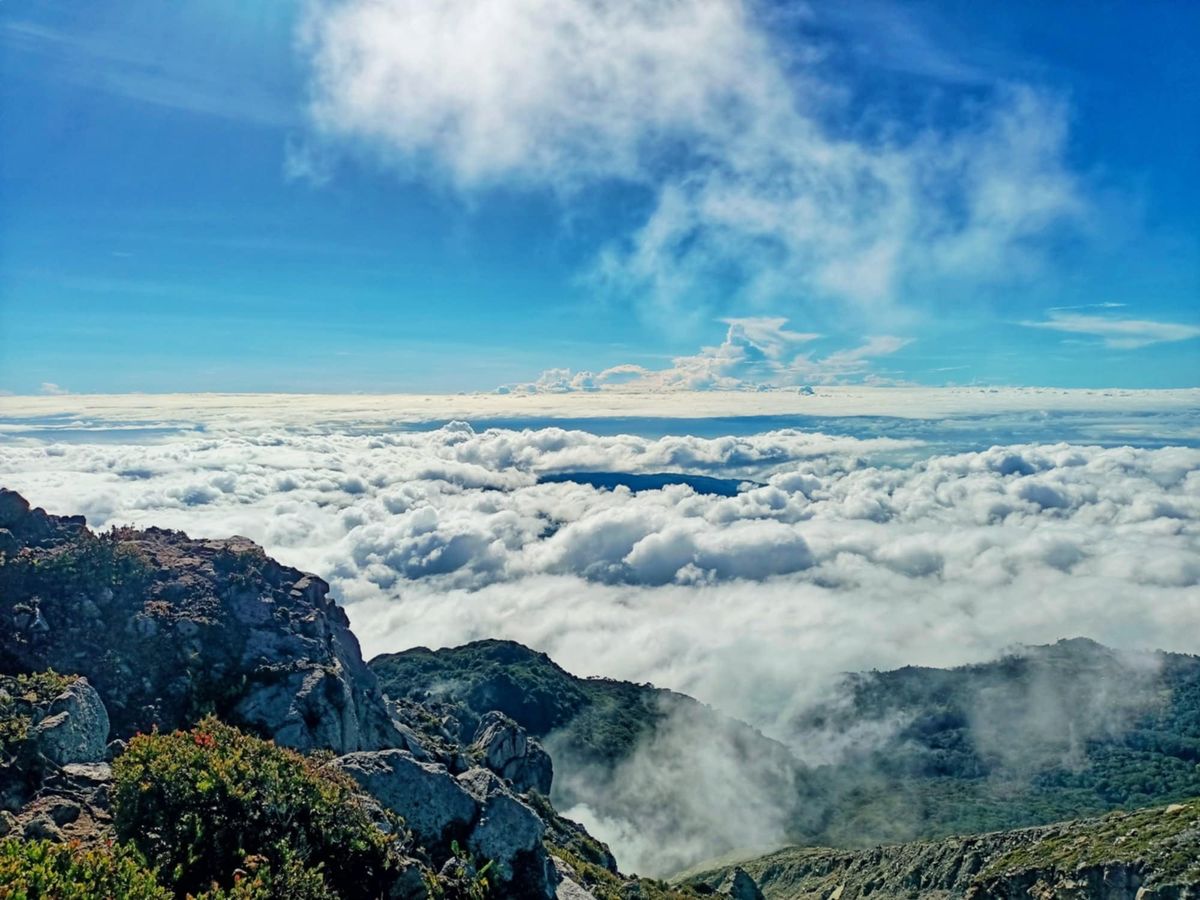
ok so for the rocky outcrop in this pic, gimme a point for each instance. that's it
(739, 886)
(24, 526)
(75, 727)
(504, 747)
(72, 804)
(509, 833)
(476, 810)
(434, 806)
(168, 628)
(1148, 854)
(47, 721)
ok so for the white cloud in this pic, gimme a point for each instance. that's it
(762, 182)
(49, 388)
(758, 353)
(1120, 334)
(1162, 415)
(845, 554)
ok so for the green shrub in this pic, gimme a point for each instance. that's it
(85, 564)
(258, 881)
(32, 870)
(202, 804)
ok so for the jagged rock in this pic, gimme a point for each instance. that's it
(569, 890)
(1066, 861)
(509, 834)
(511, 754)
(75, 727)
(33, 527)
(63, 811)
(429, 799)
(42, 828)
(739, 886)
(187, 626)
(8, 823)
(568, 887)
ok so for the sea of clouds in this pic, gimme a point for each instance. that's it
(839, 552)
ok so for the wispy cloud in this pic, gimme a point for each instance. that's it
(1120, 334)
(51, 389)
(170, 75)
(762, 183)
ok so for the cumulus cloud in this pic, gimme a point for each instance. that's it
(50, 389)
(837, 554)
(832, 543)
(1120, 334)
(764, 179)
(758, 353)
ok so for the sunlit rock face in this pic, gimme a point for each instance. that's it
(167, 628)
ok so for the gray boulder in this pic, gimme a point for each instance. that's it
(568, 887)
(569, 890)
(507, 750)
(430, 801)
(739, 886)
(75, 727)
(509, 834)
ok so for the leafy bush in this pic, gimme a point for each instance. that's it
(31, 870)
(258, 881)
(85, 564)
(205, 803)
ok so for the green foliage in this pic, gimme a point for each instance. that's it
(1121, 738)
(596, 719)
(202, 804)
(85, 564)
(33, 870)
(465, 881)
(258, 881)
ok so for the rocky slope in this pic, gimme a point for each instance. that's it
(592, 725)
(168, 628)
(1044, 733)
(1149, 854)
(159, 630)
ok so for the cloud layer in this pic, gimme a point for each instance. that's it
(764, 176)
(758, 353)
(831, 561)
(833, 557)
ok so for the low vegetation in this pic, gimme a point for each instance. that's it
(1164, 839)
(40, 869)
(205, 805)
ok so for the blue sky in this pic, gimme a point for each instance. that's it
(412, 196)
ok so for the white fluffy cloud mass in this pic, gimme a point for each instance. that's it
(758, 353)
(829, 558)
(762, 171)
(830, 554)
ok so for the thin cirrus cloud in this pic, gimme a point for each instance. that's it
(1120, 334)
(758, 353)
(762, 184)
